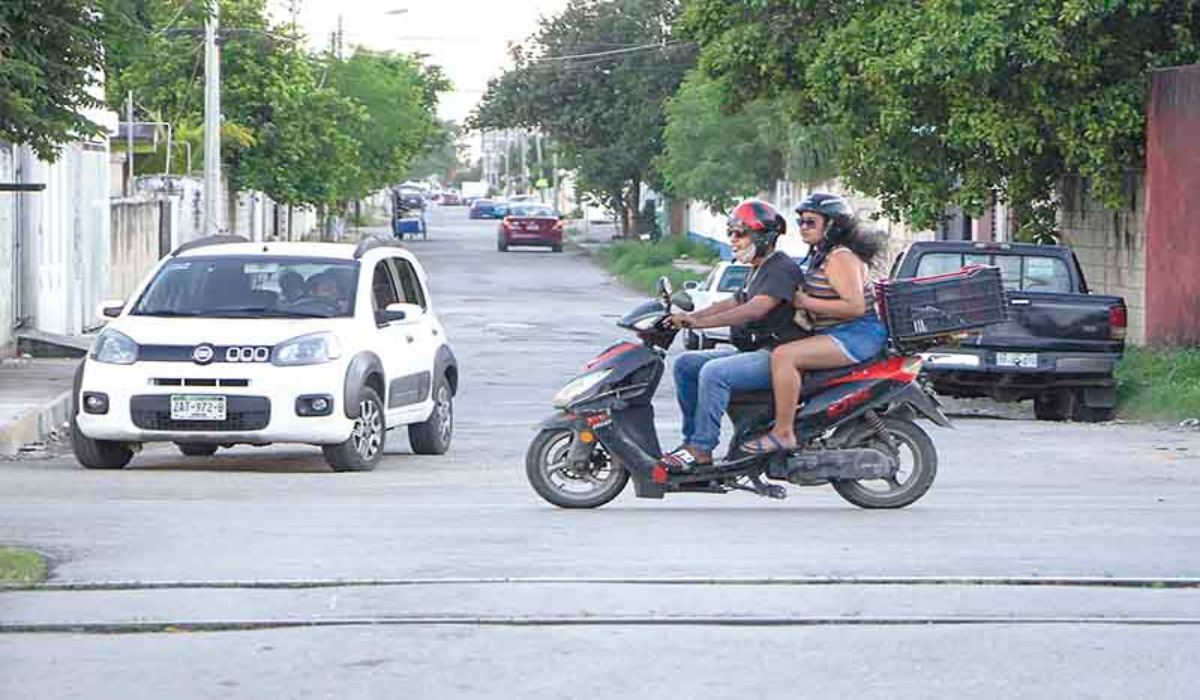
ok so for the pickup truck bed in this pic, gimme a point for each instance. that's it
(1059, 346)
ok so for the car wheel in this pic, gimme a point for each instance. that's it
(98, 454)
(556, 249)
(364, 448)
(502, 246)
(432, 437)
(196, 449)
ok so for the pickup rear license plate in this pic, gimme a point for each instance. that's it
(196, 407)
(1016, 359)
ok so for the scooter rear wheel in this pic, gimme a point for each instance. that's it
(566, 487)
(915, 476)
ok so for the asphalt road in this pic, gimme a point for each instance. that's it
(259, 573)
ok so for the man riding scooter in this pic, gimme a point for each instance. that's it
(760, 316)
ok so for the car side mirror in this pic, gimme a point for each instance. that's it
(691, 285)
(402, 312)
(111, 308)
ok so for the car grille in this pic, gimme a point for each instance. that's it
(243, 413)
(189, 381)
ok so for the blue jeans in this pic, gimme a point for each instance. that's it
(704, 381)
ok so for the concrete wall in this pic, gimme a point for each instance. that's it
(1110, 246)
(135, 244)
(8, 271)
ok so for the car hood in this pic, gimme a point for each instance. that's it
(155, 330)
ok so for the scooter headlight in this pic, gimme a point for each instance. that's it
(579, 386)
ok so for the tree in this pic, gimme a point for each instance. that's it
(944, 103)
(603, 106)
(716, 157)
(441, 158)
(50, 56)
(395, 90)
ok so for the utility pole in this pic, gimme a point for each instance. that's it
(129, 143)
(212, 122)
(524, 165)
(340, 35)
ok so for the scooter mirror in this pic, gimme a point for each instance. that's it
(683, 300)
(664, 287)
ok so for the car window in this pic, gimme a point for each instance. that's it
(1043, 274)
(531, 210)
(932, 264)
(733, 279)
(1010, 270)
(251, 287)
(383, 289)
(410, 285)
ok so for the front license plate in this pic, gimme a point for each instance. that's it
(193, 407)
(1016, 359)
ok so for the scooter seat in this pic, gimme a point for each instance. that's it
(813, 381)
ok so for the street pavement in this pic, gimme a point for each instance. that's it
(1048, 560)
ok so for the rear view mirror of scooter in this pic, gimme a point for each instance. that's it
(684, 301)
(664, 288)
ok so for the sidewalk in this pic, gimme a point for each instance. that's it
(35, 400)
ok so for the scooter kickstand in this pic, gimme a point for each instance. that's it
(768, 490)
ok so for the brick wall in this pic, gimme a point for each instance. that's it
(1110, 245)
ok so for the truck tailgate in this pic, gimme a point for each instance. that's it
(1054, 322)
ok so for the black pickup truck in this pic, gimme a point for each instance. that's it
(1059, 346)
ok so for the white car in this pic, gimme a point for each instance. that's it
(230, 342)
(722, 283)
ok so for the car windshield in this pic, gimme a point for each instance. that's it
(251, 287)
(734, 278)
(1026, 273)
(531, 210)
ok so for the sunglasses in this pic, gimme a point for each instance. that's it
(807, 223)
(738, 233)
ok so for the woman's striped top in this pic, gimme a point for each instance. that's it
(817, 286)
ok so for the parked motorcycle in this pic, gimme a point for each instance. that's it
(855, 429)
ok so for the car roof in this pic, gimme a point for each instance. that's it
(343, 251)
(986, 246)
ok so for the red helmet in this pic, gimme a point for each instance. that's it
(759, 218)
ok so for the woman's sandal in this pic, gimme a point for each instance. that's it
(681, 459)
(760, 446)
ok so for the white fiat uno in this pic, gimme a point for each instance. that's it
(231, 342)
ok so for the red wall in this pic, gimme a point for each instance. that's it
(1173, 208)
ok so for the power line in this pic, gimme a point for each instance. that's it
(613, 52)
(182, 8)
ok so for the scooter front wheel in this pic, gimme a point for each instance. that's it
(564, 485)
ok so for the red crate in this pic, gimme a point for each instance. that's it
(918, 308)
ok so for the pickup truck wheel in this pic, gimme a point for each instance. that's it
(1053, 405)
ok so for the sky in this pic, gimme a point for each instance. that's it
(467, 38)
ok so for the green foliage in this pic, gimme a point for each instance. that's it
(442, 157)
(605, 112)
(1159, 384)
(640, 264)
(21, 566)
(304, 129)
(50, 53)
(393, 90)
(947, 103)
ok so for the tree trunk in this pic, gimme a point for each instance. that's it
(633, 207)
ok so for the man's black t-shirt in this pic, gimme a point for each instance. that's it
(777, 277)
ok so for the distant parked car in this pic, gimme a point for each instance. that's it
(486, 209)
(530, 225)
(722, 283)
(451, 198)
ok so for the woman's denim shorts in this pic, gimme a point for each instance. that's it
(861, 339)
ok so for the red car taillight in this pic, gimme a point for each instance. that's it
(1118, 322)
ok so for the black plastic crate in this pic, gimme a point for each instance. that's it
(925, 307)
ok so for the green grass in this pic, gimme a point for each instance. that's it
(21, 566)
(1159, 384)
(639, 264)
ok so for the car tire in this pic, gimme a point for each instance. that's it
(432, 437)
(501, 246)
(364, 448)
(98, 454)
(556, 249)
(1052, 405)
(196, 449)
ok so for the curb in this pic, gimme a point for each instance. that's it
(35, 425)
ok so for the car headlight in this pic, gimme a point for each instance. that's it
(579, 386)
(312, 349)
(115, 348)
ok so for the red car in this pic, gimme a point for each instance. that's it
(531, 225)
